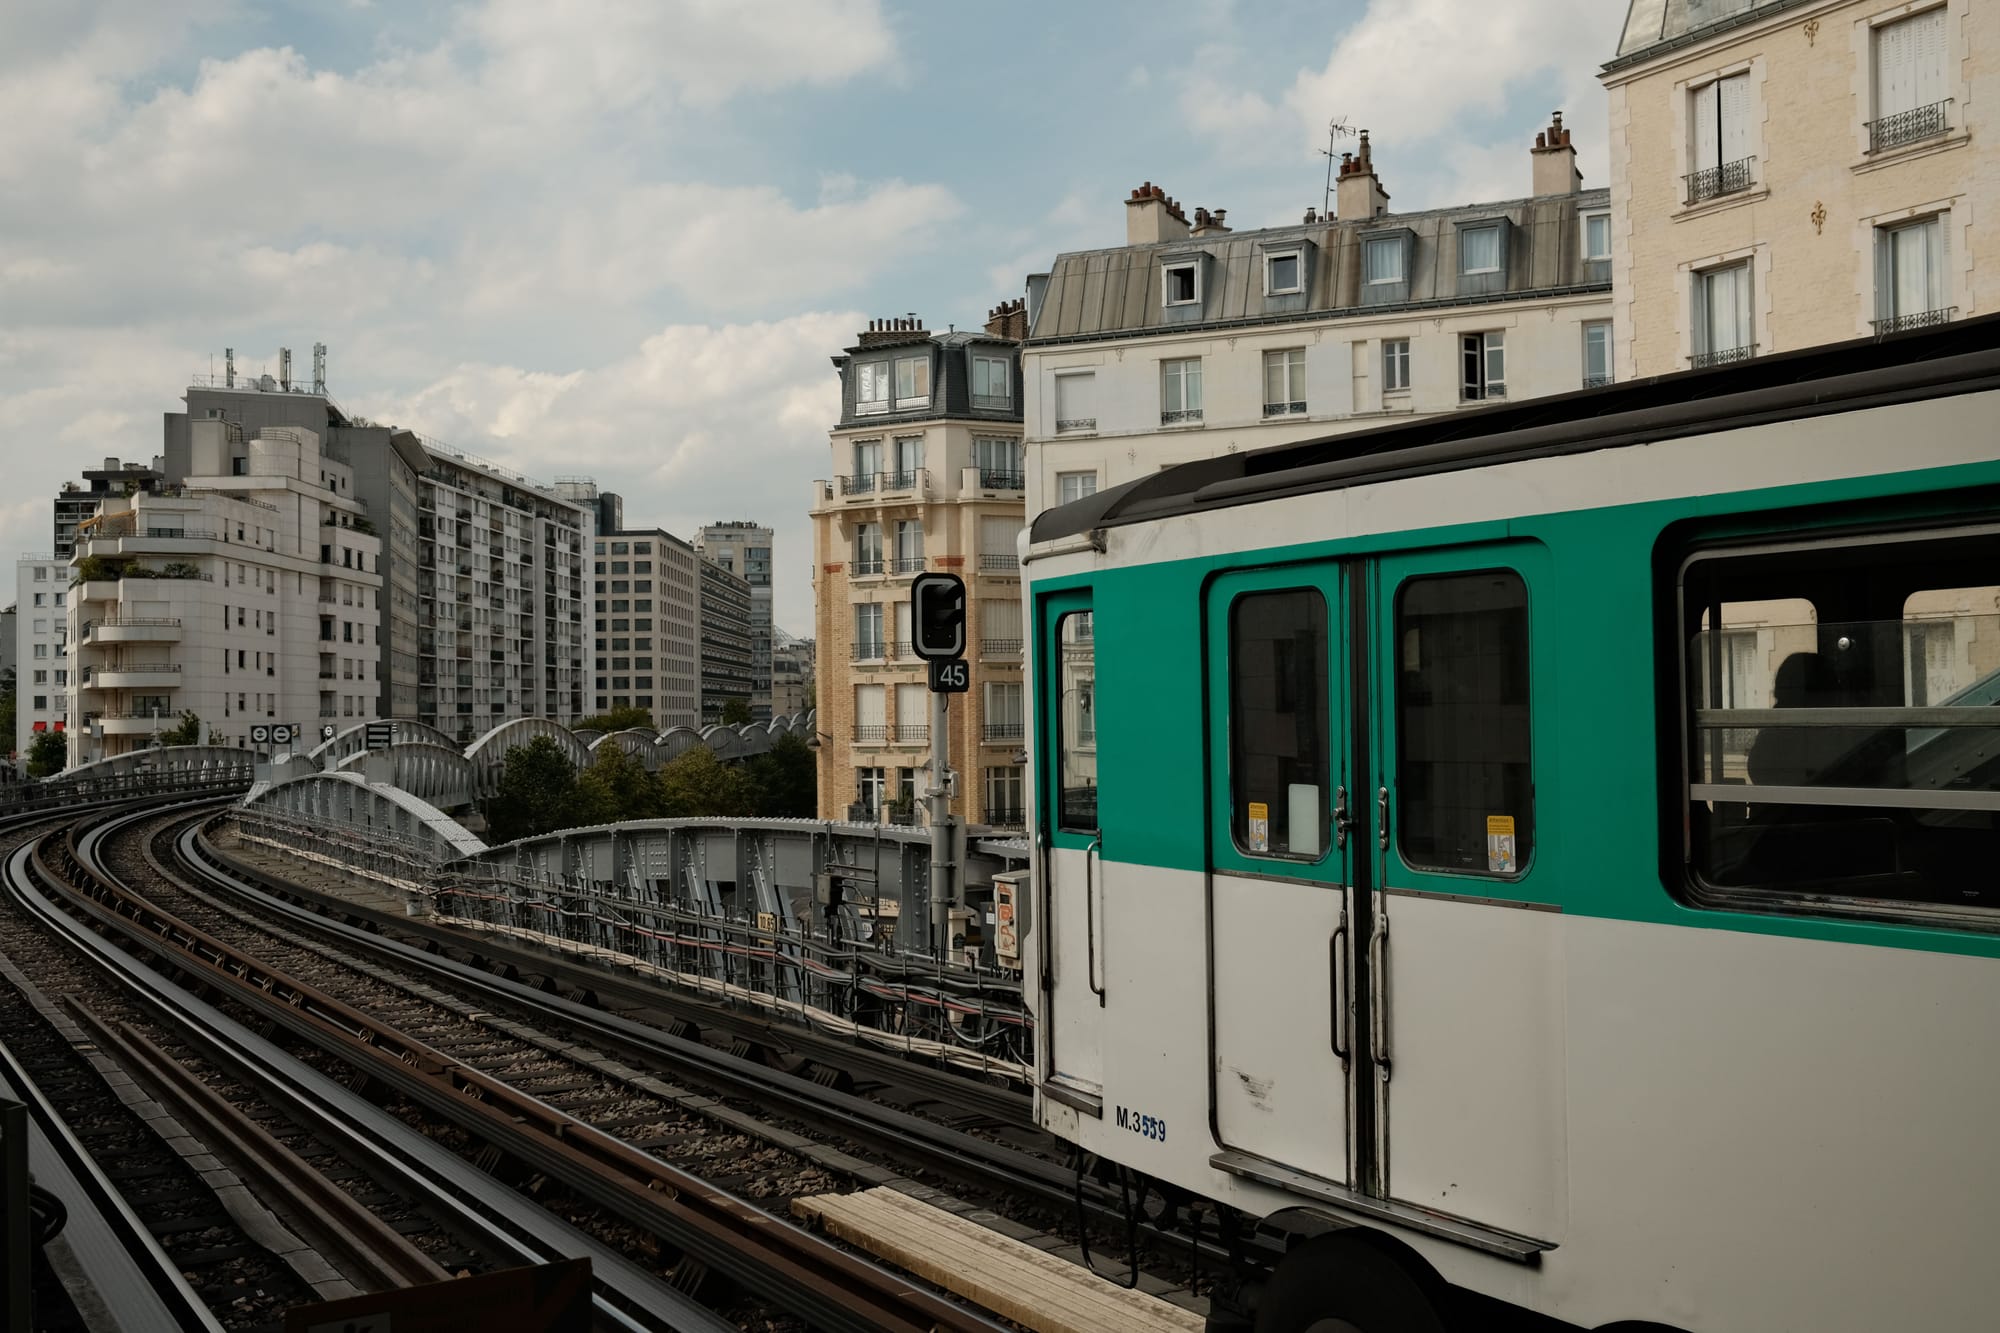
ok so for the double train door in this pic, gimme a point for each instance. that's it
(1386, 1020)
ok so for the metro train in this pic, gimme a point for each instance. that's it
(1546, 859)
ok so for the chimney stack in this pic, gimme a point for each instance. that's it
(1210, 224)
(1151, 217)
(1009, 319)
(1358, 193)
(1555, 161)
(900, 328)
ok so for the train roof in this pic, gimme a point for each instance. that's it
(1960, 357)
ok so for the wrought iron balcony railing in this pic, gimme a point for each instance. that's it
(868, 650)
(912, 733)
(907, 564)
(862, 568)
(999, 562)
(1920, 319)
(1002, 731)
(1713, 182)
(1003, 479)
(1006, 816)
(859, 483)
(1292, 409)
(1180, 416)
(872, 733)
(1596, 381)
(1075, 423)
(1722, 356)
(1920, 122)
(1000, 647)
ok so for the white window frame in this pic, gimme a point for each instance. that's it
(1699, 323)
(1298, 273)
(1294, 402)
(1494, 267)
(1744, 134)
(1492, 355)
(1057, 398)
(1083, 483)
(879, 641)
(1179, 406)
(1395, 365)
(880, 375)
(1395, 246)
(990, 366)
(1595, 215)
(916, 396)
(1937, 261)
(1167, 271)
(1603, 328)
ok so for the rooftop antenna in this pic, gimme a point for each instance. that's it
(229, 367)
(1336, 130)
(319, 368)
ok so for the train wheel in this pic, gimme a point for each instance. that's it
(1345, 1282)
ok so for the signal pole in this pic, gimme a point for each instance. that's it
(942, 861)
(938, 605)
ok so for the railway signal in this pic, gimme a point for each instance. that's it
(937, 605)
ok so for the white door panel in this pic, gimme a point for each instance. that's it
(1279, 1091)
(1076, 932)
(1476, 1039)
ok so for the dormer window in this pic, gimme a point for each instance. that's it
(871, 393)
(1479, 249)
(1382, 259)
(1283, 274)
(913, 381)
(1181, 284)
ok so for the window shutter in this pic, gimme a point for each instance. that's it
(1740, 282)
(1705, 128)
(1073, 397)
(903, 634)
(869, 706)
(1496, 361)
(1912, 281)
(1927, 58)
(1735, 118)
(1885, 275)
(1938, 261)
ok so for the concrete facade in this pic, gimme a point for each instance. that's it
(927, 475)
(1846, 187)
(1194, 340)
(745, 548)
(648, 614)
(247, 597)
(725, 616)
(791, 676)
(41, 648)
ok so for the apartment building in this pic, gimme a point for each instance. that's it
(745, 548)
(1786, 173)
(78, 500)
(791, 675)
(41, 648)
(501, 589)
(248, 595)
(1194, 339)
(927, 475)
(725, 618)
(647, 586)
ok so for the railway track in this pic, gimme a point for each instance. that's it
(600, 1144)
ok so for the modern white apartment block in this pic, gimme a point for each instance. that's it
(1195, 340)
(1786, 173)
(501, 592)
(726, 619)
(41, 649)
(745, 548)
(246, 595)
(647, 609)
(927, 475)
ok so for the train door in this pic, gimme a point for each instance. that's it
(1283, 920)
(1465, 961)
(1068, 921)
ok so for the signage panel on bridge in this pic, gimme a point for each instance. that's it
(378, 735)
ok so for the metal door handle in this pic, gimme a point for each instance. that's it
(1378, 981)
(1342, 821)
(1091, 854)
(1382, 818)
(1337, 978)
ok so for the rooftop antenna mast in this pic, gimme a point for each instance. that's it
(1336, 130)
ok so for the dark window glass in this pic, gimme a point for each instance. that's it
(1278, 732)
(1076, 724)
(1841, 726)
(1465, 794)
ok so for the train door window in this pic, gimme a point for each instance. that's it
(1465, 787)
(1278, 724)
(1841, 726)
(1076, 723)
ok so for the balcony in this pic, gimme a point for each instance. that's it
(1066, 425)
(1002, 479)
(1722, 356)
(874, 733)
(1290, 409)
(862, 569)
(1907, 127)
(907, 564)
(999, 564)
(1002, 731)
(1000, 647)
(133, 629)
(860, 483)
(1183, 417)
(869, 650)
(912, 733)
(1714, 182)
(132, 675)
(1596, 381)
(1921, 319)
(1006, 816)
(910, 479)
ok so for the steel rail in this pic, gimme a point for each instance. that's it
(803, 1273)
(629, 1299)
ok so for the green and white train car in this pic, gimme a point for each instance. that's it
(1551, 852)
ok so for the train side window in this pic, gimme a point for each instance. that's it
(1464, 781)
(1278, 735)
(1842, 740)
(1076, 723)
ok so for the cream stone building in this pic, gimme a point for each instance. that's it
(247, 597)
(927, 476)
(1194, 340)
(1786, 173)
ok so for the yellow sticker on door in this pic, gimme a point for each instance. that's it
(1500, 845)
(1260, 827)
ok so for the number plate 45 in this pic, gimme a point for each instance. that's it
(951, 677)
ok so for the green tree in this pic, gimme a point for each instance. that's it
(697, 785)
(7, 705)
(785, 782)
(48, 755)
(618, 719)
(617, 786)
(185, 732)
(735, 712)
(537, 794)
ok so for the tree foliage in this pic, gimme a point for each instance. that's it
(735, 712)
(185, 732)
(48, 755)
(697, 785)
(537, 794)
(7, 706)
(785, 782)
(618, 719)
(617, 787)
